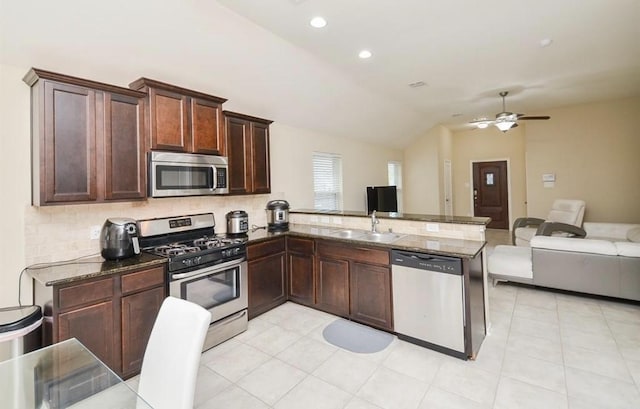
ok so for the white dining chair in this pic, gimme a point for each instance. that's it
(171, 360)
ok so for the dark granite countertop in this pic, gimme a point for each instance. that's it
(432, 218)
(423, 244)
(91, 267)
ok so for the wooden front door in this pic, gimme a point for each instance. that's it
(490, 193)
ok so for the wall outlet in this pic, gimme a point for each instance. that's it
(433, 227)
(94, 232)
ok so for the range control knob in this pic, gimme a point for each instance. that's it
(197, 260)
(187, 262)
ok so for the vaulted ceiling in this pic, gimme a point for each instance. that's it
(264, 56)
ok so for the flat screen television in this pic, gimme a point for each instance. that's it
(382, 199)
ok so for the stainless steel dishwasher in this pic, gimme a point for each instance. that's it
(429, 301)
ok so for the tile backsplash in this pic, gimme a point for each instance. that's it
(55, 233)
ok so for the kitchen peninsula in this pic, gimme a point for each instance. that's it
(335, 262)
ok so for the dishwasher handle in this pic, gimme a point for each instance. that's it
(430, 262)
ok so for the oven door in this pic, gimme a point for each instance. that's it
(221, 289)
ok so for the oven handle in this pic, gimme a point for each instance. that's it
(231, 318)
(213, 269)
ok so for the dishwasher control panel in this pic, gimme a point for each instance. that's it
(422, 261)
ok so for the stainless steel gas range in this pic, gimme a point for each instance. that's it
(203, 268)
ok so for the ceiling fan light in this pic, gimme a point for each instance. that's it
(504, 126)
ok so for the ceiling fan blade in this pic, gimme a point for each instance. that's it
(514, 126)
(544, 117)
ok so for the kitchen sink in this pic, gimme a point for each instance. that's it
(348, 234)
(386, 237)
(366, 235)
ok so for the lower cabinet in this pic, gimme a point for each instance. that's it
(332, 285)
(333, 276)
(267, 275)
(300, 270)
(111, 316)
(354, 281)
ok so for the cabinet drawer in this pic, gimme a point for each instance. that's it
(141, 280)
(85, 293)
(299, 245)
(265, 248)
(354, 253)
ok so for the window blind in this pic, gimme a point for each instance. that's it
(327, 181)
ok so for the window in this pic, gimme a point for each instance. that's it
(394, 170)
(327, 181)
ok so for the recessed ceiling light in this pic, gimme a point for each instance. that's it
(417, 84)
(364, 54)
(545, 42)
(318, 22)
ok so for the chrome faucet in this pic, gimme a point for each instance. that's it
(374, 222)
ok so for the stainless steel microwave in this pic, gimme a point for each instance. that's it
(186, 174)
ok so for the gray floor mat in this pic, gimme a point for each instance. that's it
(356, 337)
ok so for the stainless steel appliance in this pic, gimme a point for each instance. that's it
(277, 215)
(119, 238)
(429, 301)
(186, 174)
(203, 268)
(237, 222)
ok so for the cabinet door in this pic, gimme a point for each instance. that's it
(267, 283)
(371, 295)
(239, 153)
(94, 327)
(207, 127)
(332, 285)
(261, 177)
(124, 148)
(300, 270)
(68, 151)
(139, 313)
(169, 121)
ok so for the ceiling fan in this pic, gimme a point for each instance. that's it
(505, 120)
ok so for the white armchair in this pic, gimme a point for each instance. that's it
(565, 216)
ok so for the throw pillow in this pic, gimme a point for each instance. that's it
(634, 234)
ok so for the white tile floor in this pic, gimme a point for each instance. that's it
(546, 350)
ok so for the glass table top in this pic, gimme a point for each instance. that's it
(63, 375)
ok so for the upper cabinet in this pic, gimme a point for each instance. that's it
(248, 152)
(87, 140)
(183, 120)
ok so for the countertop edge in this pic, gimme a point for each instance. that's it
(387, 246)
(480, 221)
(117, 268)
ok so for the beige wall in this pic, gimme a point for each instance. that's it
(488, 145)
(594, 151)
(44, 234)
(292, 173)
(422, 172)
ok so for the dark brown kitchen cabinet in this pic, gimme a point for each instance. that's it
(332, 285)
(87, 140)
(370, 287)
(248, 152)
(266, 264)
(183, 120)
(355, 282)
(300, 270)
(111, 316)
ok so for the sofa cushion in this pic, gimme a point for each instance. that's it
(576, 245)
(628, 249)
(634, 235)
(511, 261)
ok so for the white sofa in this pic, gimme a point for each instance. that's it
(606, 262)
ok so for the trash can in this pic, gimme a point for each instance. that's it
(20, 330)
